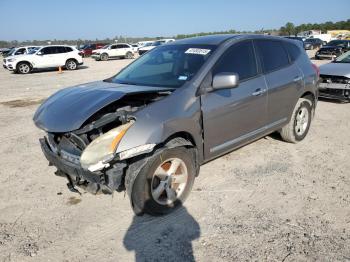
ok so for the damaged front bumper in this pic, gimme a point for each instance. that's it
(334, 91)
(103, 181)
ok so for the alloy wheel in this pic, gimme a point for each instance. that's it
(169, 181)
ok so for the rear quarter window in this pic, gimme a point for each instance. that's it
(293, 51)
(273, 55)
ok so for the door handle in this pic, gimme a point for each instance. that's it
(297, 79)
(259, 92)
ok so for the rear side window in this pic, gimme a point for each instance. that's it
(68, 49)
(60, 49)
(293, 51)
(239, 59)
(272, 55)
(48, 50)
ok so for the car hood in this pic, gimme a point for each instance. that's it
(335, 69)
(69, 108)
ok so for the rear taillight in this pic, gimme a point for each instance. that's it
(317, 69)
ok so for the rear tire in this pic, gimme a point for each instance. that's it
(104, 57)
(23, 68)
(71, 64)
(156, 192)
(128, 55)
(299, 124)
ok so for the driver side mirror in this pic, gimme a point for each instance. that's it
(40, 53)
(225, 81)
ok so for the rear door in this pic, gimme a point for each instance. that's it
(234, 116)
(113, 51)
(61, 55)
(283, 77)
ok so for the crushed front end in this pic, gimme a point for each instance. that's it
(334, 87)
(87, 156)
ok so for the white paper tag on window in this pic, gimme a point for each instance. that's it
(197, 51)
(182, 78)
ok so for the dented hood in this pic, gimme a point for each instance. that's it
(69, 108)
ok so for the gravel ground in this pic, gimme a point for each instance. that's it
(268, 201)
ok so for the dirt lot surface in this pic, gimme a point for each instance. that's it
(268, 201)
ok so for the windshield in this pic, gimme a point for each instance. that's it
(336, 43)
(344, 58)
(165, 66)
(104, 47)
(32, 50)
(12, 50)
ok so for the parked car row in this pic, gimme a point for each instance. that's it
(43, 57)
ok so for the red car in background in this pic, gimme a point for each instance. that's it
(86, 50)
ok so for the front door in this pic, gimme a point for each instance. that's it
(233, 116)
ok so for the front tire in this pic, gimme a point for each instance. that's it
(164, 182)
(104, 57)
(299, 124)
(23, 68)
(71, 64)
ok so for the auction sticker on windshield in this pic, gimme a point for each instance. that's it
(197, 51)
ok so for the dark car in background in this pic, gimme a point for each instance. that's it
(335, 78)
(148, 129)
(86, 50)
(333, 49)
(312, 43)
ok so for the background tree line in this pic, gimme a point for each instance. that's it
(288, 29)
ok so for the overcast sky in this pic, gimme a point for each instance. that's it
(90, 19)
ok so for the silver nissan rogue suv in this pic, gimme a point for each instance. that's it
(149, 128)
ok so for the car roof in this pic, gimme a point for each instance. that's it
(219, 39)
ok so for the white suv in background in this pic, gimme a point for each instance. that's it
(23, 50)
(45, 57)
(113, 51)
(148, 47)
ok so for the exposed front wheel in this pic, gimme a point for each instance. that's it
(164, 182)
(23, 68)
(299, 125)
(71, 64)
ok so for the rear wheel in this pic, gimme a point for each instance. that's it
(164, 182)
(299, 124)
(23, 68)
(104, 57)
(71, 64)
(128, 55)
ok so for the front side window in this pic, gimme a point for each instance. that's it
(20, 51)
(114, 46)
(272, 54)
(239, 59)
(166, 66)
